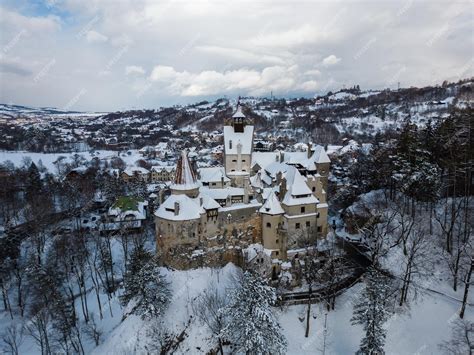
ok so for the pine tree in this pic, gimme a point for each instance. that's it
(252, 325)
(371, 312)
(145, 286)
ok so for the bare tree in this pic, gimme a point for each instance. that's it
(377, 234)
(92, 330)
(37, 328)
(12, 338)
(467, 283)
(462, 338)
(415, 262)
(207, 309)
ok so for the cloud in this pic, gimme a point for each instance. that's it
(164, 73)
(241, 55)
(331, 60)
(312, 72)
(279, 79)
(310, 85)
(134, 70)
(244, 48)
(32, 24)
(297, 36)
(15, 66)
(95, 37)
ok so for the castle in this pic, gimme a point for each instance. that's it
(276, 199)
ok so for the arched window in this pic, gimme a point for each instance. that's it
(269, 225)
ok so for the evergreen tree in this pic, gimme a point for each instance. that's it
(144, 286)
(371, 312)
(252, 326)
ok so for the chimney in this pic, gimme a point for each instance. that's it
(278, 177)
(176, 208)
(309, 149)
(283, 189)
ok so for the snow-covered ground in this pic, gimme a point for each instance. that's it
(417, 331)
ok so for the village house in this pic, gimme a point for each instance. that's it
(162, 173)
(126, 213)
(135, 173)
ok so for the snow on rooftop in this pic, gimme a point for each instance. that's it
(238, 113)
(222, 194)
(185, 178)
(187, 208)
(214, 174)
(272, 205)
(263, 159)
(132, 170)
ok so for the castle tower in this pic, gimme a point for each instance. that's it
(185, 181)
(272, 213)
(238, 147)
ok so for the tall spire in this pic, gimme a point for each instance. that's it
(185, 178)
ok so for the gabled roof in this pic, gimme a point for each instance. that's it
(160, 168)
(256, 181)
(272, 205)
(320, 156)
(298, 191)
(208, 203)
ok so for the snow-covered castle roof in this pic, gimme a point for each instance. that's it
(185, 177)
(272, 205)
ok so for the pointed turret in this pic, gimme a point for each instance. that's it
(185, 181)
(272, 206)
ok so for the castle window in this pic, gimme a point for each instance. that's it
(314, 188)
(277, 241)
(269, 225)
(308, 224)
(243, 160)
(317, 215)
(234, 160)
(319, 229)
(230, 144)
(297, 226)
(303, 209)
(277, 252)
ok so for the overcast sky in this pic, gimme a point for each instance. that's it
(118, 54)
